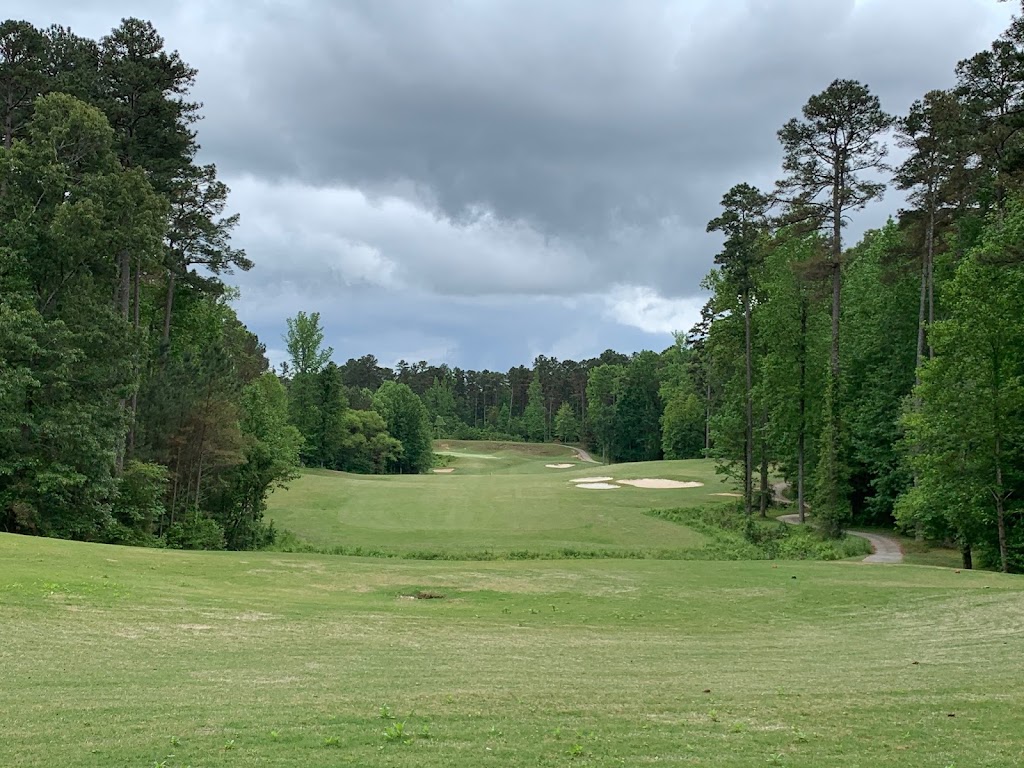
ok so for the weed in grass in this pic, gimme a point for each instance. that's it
(425, 732)
(332, 741)
(576, 750)
(385, 713)
(395, 733)
(275, 736)
(229, 744)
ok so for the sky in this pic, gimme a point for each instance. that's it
(478, 182)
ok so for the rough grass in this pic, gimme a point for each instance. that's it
(129, 657)
(500, 501)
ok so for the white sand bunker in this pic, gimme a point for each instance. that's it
(648, 482)
(559, 466)
(730, 495)
(444, 470)
(590, 480)
(597, 486)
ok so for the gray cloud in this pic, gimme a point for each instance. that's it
(467, 159)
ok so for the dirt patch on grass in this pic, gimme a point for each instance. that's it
(422, 595)
(597, 486)
(654, 482)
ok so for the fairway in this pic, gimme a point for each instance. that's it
(115, 656)
(501, 499)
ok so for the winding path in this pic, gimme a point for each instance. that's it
(584, 456)
(886, 549)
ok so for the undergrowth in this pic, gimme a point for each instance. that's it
(737, 537)
(731, 536)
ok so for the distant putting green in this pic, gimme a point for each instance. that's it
(113, 656)
(499, 498)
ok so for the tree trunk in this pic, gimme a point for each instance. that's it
(837, 255)
(802, 430)
(921, 322)
(124, 291)
(967, 556)
(1004, 558)
(136, 320)
(764, 480)
(748, 454)
(707, 419)
(930, 269)
(168, 308)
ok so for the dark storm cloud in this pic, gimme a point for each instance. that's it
(462, 159)
(632, 120)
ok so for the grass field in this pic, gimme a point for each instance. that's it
(114, 656)
(500, 498)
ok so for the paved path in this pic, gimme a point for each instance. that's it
(584, 456)
(886, 549)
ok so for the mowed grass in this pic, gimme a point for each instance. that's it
(500, 498)
(115, 656)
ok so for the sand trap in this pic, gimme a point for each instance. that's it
(559, 466)
(730, 495)
(590, 480)
(444, 471)
(597, 486)
(648, 482)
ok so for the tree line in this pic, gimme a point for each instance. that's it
(135, 407)
(362, 416)
(884, 379)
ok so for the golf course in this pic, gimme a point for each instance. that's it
(120, 656)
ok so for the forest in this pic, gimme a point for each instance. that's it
(882, 379)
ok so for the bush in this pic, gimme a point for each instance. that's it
(195, 532)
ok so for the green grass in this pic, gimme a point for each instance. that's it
(500, 499)
(115, 656)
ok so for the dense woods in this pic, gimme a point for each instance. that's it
(882, 379)
(136, 407)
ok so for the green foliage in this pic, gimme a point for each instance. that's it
(533, 415)
(195, 531)
(965, 425)
(878, 378)
(304, 342)
(408, 423)
(567, 426)
(638, 410)
(139, 504)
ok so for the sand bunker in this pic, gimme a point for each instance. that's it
(559, 466)
(648, 482)
(597, 486)
(444, 470)
(590, 480)
(730, 495)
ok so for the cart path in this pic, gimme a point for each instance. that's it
(886, 549)
(584, 456)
